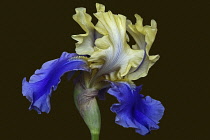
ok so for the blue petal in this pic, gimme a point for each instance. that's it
(45, 80)
(134, 110)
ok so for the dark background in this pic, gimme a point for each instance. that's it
(35, 32)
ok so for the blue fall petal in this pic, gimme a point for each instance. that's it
(45, 80)
(134, 110)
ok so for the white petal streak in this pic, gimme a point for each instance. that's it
(112, 47)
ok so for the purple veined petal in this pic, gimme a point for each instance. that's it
(134, 110)
(45, 80)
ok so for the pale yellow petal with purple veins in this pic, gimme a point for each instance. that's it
(112, 54)
(85, 43)
(144, 37)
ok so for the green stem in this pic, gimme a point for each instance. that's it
(94, 136)
(87, 106)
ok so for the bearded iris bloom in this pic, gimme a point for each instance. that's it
(106, 64)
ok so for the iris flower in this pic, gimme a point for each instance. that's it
(106, 64)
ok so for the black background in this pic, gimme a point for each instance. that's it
(33, 32)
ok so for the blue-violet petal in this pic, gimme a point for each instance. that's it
(134, 110)
(45, 80)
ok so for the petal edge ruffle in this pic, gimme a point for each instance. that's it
(134, 110)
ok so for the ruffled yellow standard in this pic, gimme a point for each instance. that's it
(85, 43)
(107, 44)
(144, 37)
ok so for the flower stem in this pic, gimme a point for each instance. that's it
(94, 136)
(87, 106)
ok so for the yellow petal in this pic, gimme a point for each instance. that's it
(100, 7)
(112, 48)
(144, 37)
(85, 43)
